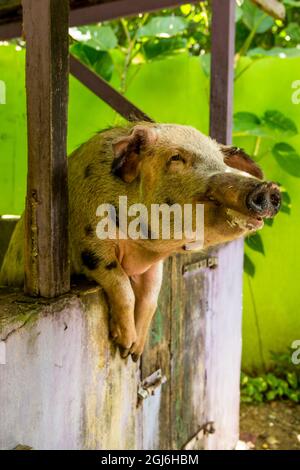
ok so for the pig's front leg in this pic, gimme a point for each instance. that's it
(111, 276)
(146, 288)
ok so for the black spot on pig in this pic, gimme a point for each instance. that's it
(89, 231)
(90, 259)
(88, 171)
(111, 265)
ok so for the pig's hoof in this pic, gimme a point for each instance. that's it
(136, 350)
(123, 337)
(124, 352)
(135, 357)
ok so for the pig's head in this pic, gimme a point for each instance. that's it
(177, 164)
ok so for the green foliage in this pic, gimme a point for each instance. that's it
(255, 19)
(249, 266)
(255, 243)
(281, 52)
(279, 124)
(246, 123)
(285, 201)
(257, 30)
(101, 38)
(281, 382)
(272, 124)
(152, 36)
(162, 26)
(157, 47)
(287, 157)
(121, 43)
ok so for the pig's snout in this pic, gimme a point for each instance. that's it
(245, 195)
(264, 200)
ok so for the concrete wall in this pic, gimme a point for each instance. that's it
(63, 384)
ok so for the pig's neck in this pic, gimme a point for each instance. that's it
(137, 256)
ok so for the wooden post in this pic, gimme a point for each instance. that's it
(46, 219)
(222, 63)
(223, 333)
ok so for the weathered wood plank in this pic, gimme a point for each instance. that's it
(222, 69)
(155, 411)
(187, 349)
(10, 30)
(106, 92)
(46, 252)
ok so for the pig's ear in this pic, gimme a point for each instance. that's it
(237, 158)
(128, 149)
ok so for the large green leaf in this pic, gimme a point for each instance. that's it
(282, 52)
(101, 38)
(205, 61)
(269, 222)
(288, 158)
(279, 123)
(249, 266)
(238, 13)
(272, 125)
(256, 19)
(104, 66)
(86, 54)
(100, 61)
(158, 47)
(286, 202)
(163, 26)
(246, 122)
(255, 243)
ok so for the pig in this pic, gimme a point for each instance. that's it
(150, 163)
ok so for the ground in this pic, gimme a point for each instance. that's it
(274, 425)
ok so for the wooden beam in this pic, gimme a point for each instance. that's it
(10, 30)
(46, 217)
(222, 70)
(119, 9)
(107, 93)
(99, 12)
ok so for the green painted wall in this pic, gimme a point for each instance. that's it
(177, 90)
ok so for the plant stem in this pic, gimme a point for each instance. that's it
(249, 39)
(130, 54)
(256, 147)
(205, 15)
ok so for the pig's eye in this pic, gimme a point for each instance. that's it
(177, 158)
